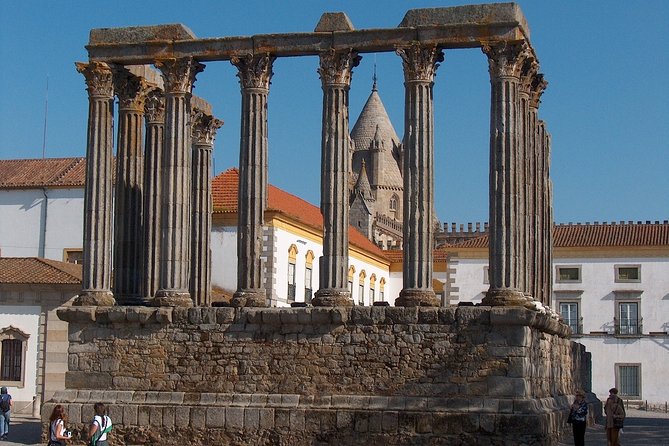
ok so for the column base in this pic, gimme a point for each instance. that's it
(94, 298)
(249, 298)
(332, 297)
(504, 297)
(172, 298)
(412, 297)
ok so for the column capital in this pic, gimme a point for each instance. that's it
(528, 72)
(506, 59)
(420, 62)
(336, 67)
(179, 74)
(131, 90)
(154, 106)
(537, 87)
(255, 71)
(98, 78)
(204, 128)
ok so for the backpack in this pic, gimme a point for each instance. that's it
(104, 429)
(4, 403)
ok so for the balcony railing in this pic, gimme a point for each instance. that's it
(576, 325)
(628, 327)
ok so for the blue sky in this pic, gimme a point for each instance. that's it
(606, 106)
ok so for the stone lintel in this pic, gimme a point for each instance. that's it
(307, 44)
(138, 34)
(334, 21)
(486, 14)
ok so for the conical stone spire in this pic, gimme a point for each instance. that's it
(362, 186)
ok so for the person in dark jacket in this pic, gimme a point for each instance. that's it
(615, 416)
(578, 416)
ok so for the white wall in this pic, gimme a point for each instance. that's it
(25, 318)
(21, 222)
(224, 257)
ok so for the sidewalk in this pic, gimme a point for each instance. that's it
(641, 429)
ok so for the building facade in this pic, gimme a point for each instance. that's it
(611, 286)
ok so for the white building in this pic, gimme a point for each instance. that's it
(611, 285)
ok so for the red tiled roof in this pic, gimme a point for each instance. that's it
(598, 235)
(48, 172)
(397, 255)
(17, 270)
(224, 191)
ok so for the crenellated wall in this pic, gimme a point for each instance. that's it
(374, 373)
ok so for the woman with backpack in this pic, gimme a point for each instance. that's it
(5, 408)
(100, 426)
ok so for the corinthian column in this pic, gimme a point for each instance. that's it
(179, 76)
(154, 110)
(96, 274)
(537, 87)
(204, 132)
(255, 73)
(128, 237)
(335, 72)
(420, 64)
(505, 63)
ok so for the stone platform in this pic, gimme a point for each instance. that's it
(305, 376)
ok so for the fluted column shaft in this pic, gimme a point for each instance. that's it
(547, 216)
(420, 64)
(179, 76)
(128, 229)
(96, 274)
(154, 109)
(335, 72)
(537, 86)
(204, 132)
(255, 73)
(505, 272)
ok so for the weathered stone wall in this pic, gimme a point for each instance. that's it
(374, 375)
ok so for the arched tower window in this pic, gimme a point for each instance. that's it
(372, 288)
(393, 203)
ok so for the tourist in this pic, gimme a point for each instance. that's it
(5, 409)
(578, 415)
(57, 433)
(100, 426)
(615, 417)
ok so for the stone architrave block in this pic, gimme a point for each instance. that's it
(169, 416)
(290, 400)
(156, 416)
(396, 402)
(320, 316)
(339, 315)
(216, 417)
(312, 421)
(287, 317)
(130, 412)
(423, 422)
(416, 403)
(375, 421)
(512, 316)
(266, 420)
(164, 315)
(361, 315)
(209, 315)
(241, 399)
(447, 315)
(361, 421)
(282, 418)
(428, 315)
(259, 399)
(143, 415)
(251, 418)
(182, 417)
(402, 315)
(344, 419)
(234, 418)
(198, 417)
(487, 422)
(297, 420)
(507, 387)
(74, 414)
(358, 402)
(271, 316)
(472, 316)
(225, 315)
(377, 402)
(389, 421)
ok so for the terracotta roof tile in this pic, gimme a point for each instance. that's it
(598, 235)
(15, 270)
(49, 172)
(224, 192)
(397, 255)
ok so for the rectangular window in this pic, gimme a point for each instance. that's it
(628, 273)
(628, 322)
(361, 294)
(74, 256)
(291, 282)
(371, 295)
(307, 285)
(350, 287)
(568, 274)
(381, 295)
(11, 363)
(628, 380)
(486, 275)
(569, 313)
